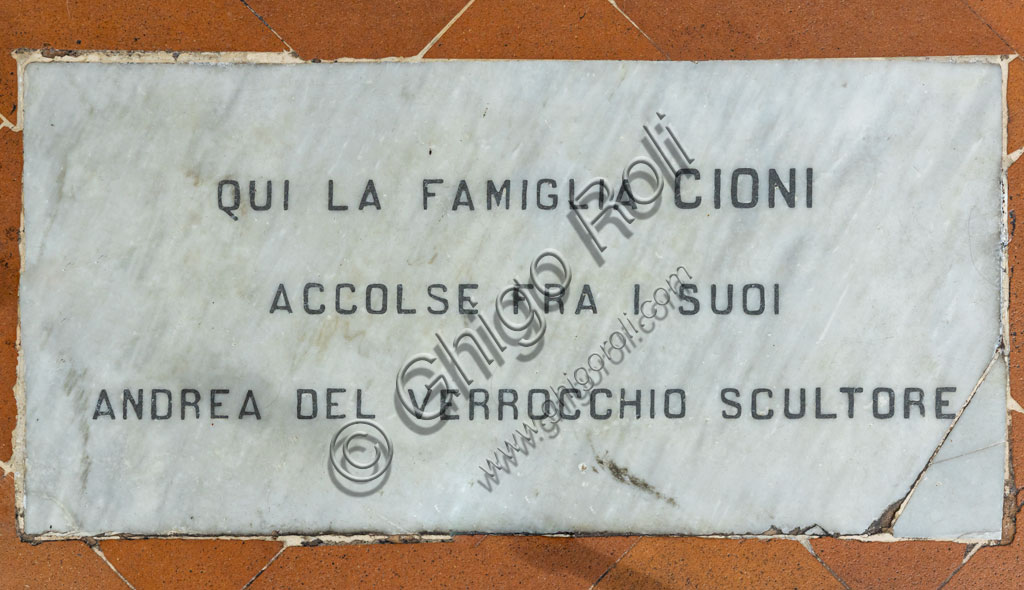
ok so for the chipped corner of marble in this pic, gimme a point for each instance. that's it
(957, 497)
(27, 56)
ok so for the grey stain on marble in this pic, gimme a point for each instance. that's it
(623, 475)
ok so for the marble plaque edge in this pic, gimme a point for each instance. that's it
(880, 531)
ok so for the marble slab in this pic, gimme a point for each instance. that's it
(514, 297)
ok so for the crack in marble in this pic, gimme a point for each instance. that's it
(986, 447)
(67, 513)
(888, 518)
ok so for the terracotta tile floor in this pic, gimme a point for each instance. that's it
(578, 29)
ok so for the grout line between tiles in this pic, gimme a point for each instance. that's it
(637, 27)
(990, 27)
(1013, 157)
(264, 568)
(807, 545)
(968, 554)
(266, 24)
(96, 549)
(440, 33)
(615, 563)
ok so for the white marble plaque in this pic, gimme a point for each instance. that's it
(241, 282)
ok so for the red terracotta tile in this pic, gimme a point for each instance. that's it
(1015, 105)
(1015, 259)
(999, 567)
(519, 29)
(883, 566)
(1017, 449)
(189, 564)
(212, 25)
(324, 29)
(10, 261)
(745, 29)
(54, 564)
(664, 562)
(1006, 17)
(467, 562)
